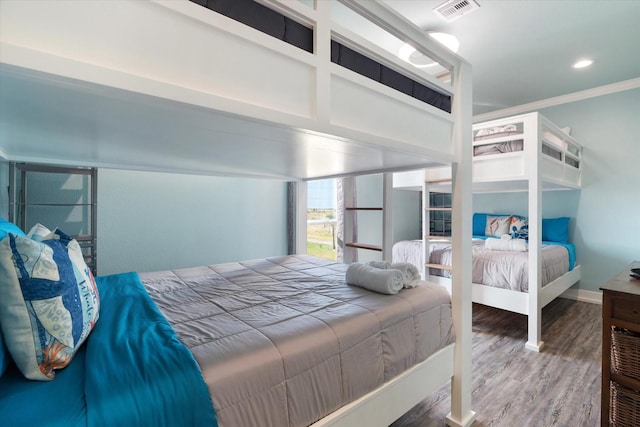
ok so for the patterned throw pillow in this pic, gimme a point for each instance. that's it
(519, 227)
(497, 226)
(49, 302)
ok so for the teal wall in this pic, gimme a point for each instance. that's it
(150, 221)
(607, 229)
(605, 213)
(407, 215)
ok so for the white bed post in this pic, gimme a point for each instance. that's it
(534, 340)
(387, 216)
(426, 218)
(299, 196)
(461, 413)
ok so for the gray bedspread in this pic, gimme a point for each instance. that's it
(505, 269)
(285, 341)
(500, 269)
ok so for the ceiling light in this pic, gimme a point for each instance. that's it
(409, 54)
(583, 63)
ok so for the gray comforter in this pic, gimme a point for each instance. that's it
(284, 341)
(505, 269)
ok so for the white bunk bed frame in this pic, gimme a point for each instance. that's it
(531, 170)
(313, 119)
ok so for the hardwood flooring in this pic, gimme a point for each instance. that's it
(512, 386)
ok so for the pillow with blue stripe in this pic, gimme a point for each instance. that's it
(49, 302)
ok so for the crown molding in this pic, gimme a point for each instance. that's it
(559, 100)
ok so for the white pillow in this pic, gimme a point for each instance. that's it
(497, 226)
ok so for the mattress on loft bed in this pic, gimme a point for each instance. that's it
(500, 269)
(284, 341)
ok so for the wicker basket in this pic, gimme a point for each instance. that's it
(625, 353)
(625, 406)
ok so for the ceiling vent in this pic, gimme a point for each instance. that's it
(454, 9)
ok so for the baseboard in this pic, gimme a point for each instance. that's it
(583, 296)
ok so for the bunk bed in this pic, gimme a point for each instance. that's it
(514, 154)
(138, 96)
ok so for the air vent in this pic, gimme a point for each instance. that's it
(454, 9)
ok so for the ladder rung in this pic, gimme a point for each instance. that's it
(364, 246)
(439, 266)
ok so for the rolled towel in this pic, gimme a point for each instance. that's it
(512, 245)
(410, 273)
(384, 281)
(379, 264)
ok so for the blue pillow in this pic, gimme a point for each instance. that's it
(479, 224)
(7, 227)
(555, 229)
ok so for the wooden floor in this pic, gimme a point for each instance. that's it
(512, 386)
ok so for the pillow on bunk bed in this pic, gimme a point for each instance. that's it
(555, 229)
(38, 232)
(49, 302)
(519, 227)
(7, 227)
(497, 226)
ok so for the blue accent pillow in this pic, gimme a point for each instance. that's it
(7, 227)
(49, 302)
(555, 229)
(479, 224)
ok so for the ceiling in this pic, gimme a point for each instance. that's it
(521, 51)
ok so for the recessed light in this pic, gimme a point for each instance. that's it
(583, 63)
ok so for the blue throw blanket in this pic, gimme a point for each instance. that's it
(131, 371)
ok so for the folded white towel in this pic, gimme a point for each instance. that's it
(506, 237)
(384, 281)
(410, 273)
(512, 245)
(379, 264)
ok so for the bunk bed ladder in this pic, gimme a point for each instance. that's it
(427, 211)
(352, 245)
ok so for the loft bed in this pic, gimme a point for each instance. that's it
(172, 86)
(520, 153)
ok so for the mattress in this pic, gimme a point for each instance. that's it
(285, 341)
(500, 269)
(498, 148)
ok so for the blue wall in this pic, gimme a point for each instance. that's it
(605, 225)
(151, 221)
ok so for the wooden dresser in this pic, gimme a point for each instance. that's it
(621, 350)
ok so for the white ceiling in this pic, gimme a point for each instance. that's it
(521, 51)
